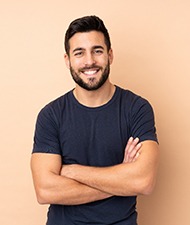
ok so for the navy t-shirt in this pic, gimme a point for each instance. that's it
(95, 137)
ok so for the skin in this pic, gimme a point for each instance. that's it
(53, 188)
(75, 184)
(88, 50)
(126, 179)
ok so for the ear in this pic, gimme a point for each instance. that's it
(67, 61)
(110, 55)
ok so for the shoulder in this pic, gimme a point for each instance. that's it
(57, 104)
(132, 100)
(140, 116)
(54, 109)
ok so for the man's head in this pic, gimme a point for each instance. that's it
(86, 24)
(88, 52)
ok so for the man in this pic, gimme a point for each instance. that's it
(95, 148)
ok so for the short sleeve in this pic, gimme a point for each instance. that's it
(142, 120)
(46, 137)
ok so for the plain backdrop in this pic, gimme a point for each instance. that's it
(151, 44)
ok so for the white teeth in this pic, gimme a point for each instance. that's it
(90, 72)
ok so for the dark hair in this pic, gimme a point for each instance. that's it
(86, 24)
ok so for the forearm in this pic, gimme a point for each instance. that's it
(52, 188)
(65, 191)
(108, 179)
(125, 179)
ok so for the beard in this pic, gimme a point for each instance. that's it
(92, 83)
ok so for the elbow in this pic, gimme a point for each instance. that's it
(147, 190)
(41, 201)
(146, 186)
(139, 186)
(41, 196)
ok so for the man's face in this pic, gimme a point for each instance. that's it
(89, 60)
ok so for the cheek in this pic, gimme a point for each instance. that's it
(75, 64)
(102, 61)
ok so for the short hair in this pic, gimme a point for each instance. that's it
(86, 24)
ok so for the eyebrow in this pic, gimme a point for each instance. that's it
(77, 49)
(98, 46)
(81, 49)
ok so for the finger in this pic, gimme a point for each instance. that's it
(136, 156)
(127, 148)
(129, 144)
(132, 145)
(133, 152)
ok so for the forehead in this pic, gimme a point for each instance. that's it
(87, 40)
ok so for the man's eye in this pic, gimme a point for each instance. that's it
(98, 51)
(78, 54)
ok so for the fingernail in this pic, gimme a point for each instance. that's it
(131, 138)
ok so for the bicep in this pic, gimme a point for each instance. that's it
(52, 188)
(44, 165)
(149, 155)
(147, 165)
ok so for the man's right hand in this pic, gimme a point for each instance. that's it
(132, 150)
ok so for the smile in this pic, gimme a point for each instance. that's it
(90, 72)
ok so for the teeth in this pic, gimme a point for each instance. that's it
(90, 72)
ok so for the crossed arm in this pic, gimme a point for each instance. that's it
(76, 184)
(126, 179)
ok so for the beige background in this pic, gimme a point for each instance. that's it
(151, 42)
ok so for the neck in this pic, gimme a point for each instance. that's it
(95, 98)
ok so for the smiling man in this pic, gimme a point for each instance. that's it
(95, 148)
(89, 64)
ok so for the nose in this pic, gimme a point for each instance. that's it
(89, 59)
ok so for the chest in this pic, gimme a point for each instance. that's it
(95, 138)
